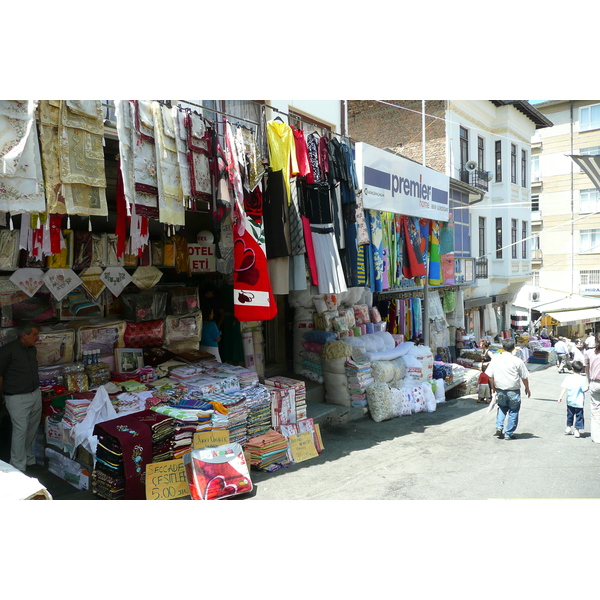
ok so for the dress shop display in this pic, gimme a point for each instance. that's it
(288, 219)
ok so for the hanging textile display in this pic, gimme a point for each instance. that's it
(435, 265)
(253, 296)
(327, 259)
(21, 179)
(116, 279)
(282, 151)
(91, 280)
(377, 249)
(447, 252)
(198, 141)
(48, 114)
(146, 278)
(144, 159)
(61, 281)
(81, 157)
(28, 280)
(412, 259)
(249, 150)
(171, 210)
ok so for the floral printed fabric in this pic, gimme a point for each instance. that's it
(28, 280)
(61, 281)
(81, 157)
(21, 179)
(116, 279)
(170, 194)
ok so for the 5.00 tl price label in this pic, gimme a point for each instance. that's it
(166, 480)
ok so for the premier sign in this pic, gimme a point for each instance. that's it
(392, 183)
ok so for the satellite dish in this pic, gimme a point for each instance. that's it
(471, 165)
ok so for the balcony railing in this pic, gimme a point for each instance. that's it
(536, 255)
(477, 178)
(481, 268)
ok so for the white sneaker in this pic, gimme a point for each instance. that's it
(568, 431)
(577, 434)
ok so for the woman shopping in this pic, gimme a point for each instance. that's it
(592, 370)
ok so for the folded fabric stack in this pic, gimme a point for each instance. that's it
(236, 418)
(108, 477)
(312, 344)
(299, 388)
(247, 377)
(185, 372)
(540, 353)
(258, 402)
(268, 452)
(163, 431)
(359, 377)
(183, 438)
(187, 420)
(127, 403)
(283, 406)
(75, 411)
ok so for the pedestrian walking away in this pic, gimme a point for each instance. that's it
(592, 370)
(20, 389)
(574, 387)
(506, 372)
(561, 354)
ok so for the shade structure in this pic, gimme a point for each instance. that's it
(576, 317)
(590, 163)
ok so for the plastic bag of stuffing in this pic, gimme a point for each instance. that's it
(383, 371)
(399, 367)
(334, 365)
(396, 401)
(418, 399)
(430, 401)
(440, 393)
(319, 336)
(374, 314)
(403, 347)
(406, 401)
(310, 356)
(361, 314)
(380, 402)
(336, 389)
(312, 376)
(300, 298)
(336, 349)
(386, 338)
(414, 367)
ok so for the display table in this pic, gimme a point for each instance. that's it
(15, 485)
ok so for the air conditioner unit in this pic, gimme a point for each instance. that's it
(534, 296)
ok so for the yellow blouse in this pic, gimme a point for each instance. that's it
(282, 151)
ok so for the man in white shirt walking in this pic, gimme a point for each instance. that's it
(561, 353)
(506, 372)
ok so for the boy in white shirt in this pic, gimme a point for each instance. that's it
(574, 386)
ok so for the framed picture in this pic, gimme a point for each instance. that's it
(129, 359)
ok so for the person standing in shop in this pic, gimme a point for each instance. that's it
(20, 389)
(592, 370)
(590, 340)
(210, 333)
(506, 372)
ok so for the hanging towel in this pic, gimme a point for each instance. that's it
(435, 265)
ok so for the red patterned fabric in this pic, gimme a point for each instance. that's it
(144, 334)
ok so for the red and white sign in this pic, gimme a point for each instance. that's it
(202, 254)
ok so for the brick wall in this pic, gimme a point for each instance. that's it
(385, 126)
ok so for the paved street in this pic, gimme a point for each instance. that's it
(450, 454)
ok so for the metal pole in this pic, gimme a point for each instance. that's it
(426, 258)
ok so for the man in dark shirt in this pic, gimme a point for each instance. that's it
(20, 388)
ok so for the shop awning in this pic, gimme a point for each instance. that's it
(576, 317)
(590, 164)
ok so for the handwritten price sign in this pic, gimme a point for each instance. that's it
(166, 480)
